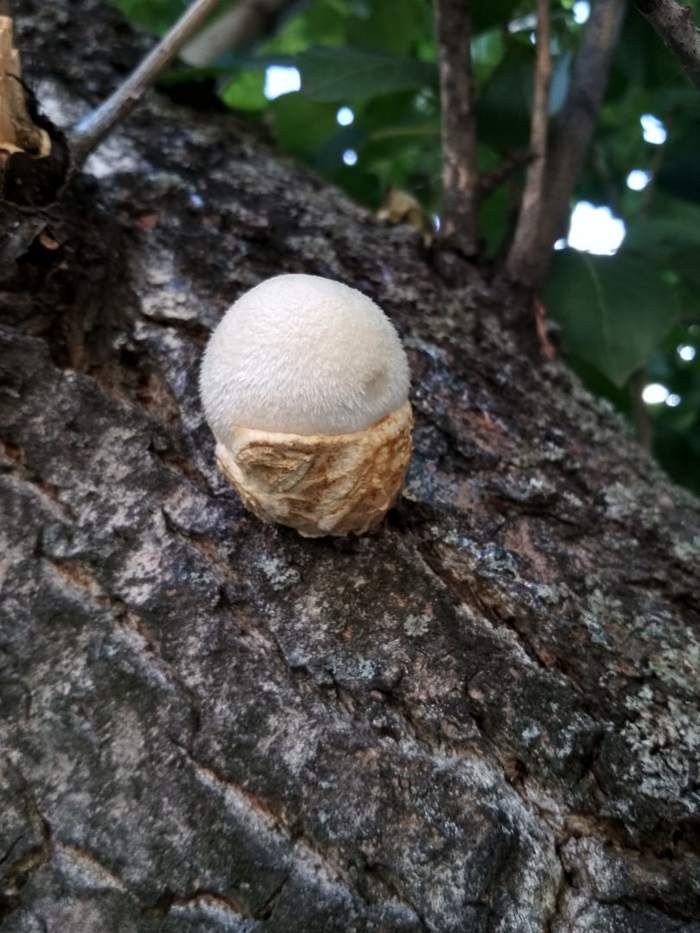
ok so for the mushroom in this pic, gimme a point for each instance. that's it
(305, 386)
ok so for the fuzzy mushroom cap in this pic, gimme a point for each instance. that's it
(300, 354)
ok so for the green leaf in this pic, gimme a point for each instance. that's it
(670, 238)
(382, 30)
(302, 126)
(494, 13)
(660, 236)
(246, 91)
(326, 22)
(344, 74)
(641, 62)
(329, 157)
(614, 310)
(156, 15)
(320, 22)
(487, 53)
(495, 212)
(679, 172)
(503, 107)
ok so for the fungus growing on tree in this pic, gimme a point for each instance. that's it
(305, 386)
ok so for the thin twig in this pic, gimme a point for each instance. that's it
(237, 28)
(531, 205)
(674, 23)
(459, 159)
(547, 348)
(642, 420)
(489, 181)
(575, 131)
(93, 128)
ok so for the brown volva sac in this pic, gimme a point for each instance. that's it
(321, 484)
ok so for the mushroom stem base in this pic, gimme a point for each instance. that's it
(321, 484)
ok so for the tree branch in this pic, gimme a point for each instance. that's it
(237, 28)
(459, 161)
(489, 181)
(93, 128)
(642, 421)
(674, 23)
(575, 132)
(531, 205)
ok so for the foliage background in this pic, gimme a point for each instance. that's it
(627, 321)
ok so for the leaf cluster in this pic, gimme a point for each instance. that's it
(621, 317)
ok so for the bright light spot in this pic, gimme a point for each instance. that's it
(560, 244)
(686, 352)
(281, 79)
(673, 400)
(638, 179)
(595, 230)
(345, 116)
(424, 101)
(582, 10)
(436, 222)
(522, 22)
(653, 129)
(655, 393)
(533, 39)
(350, 157)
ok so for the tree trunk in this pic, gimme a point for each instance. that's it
(482, 718)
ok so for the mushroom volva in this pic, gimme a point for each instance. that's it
(305, 386)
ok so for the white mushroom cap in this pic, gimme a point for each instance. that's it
(301, 354)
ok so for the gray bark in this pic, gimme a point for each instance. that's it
(482, 718)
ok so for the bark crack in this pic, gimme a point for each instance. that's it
(19, 873)
(564, 886)
(169, 901)
(301, 846)
(90, 864)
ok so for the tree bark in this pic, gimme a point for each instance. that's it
(460, 176)
(482, 718)
(674, 23)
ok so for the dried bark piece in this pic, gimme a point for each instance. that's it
(18, 132)
(34, 157)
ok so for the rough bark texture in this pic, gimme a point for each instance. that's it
(460, 180)
(482, 718)
(674, 23)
